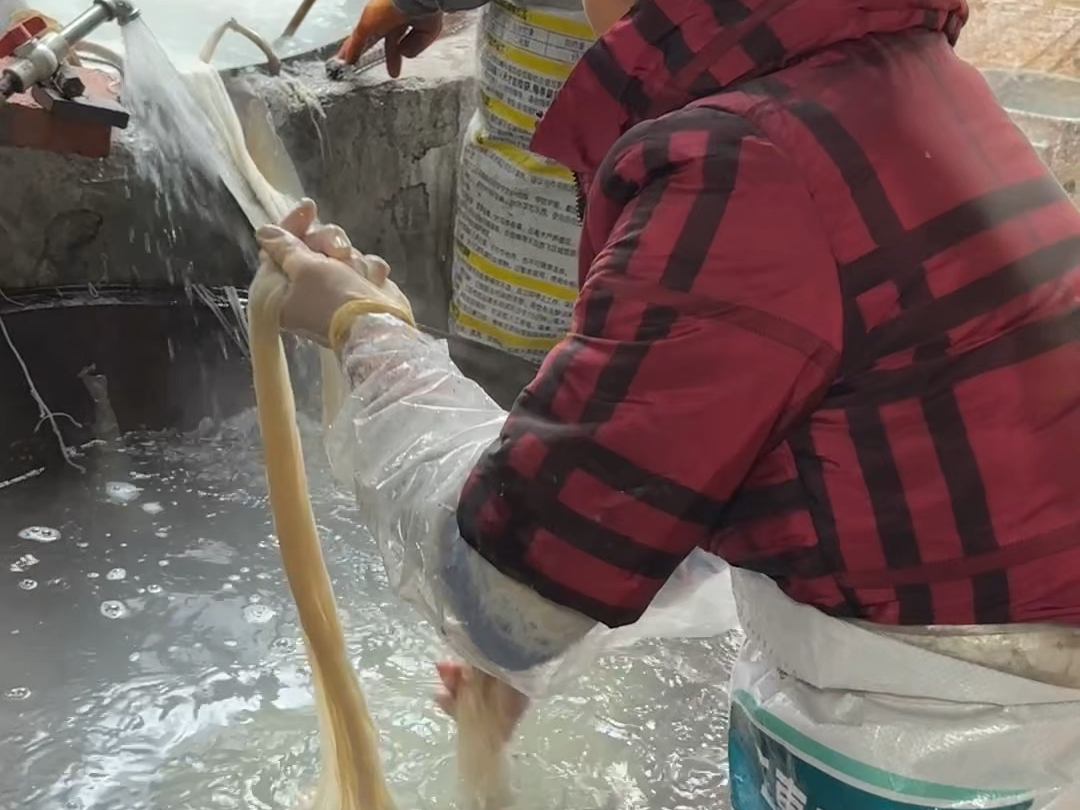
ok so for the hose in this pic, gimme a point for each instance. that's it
(273, 62)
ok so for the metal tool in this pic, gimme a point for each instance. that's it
(37, 56)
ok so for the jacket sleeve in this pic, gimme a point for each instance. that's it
(707, 323)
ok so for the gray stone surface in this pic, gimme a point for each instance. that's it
(1046, 108)
(381, 160)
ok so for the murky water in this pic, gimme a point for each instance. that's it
(155, 663)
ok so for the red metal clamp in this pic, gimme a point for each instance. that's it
(21, 33)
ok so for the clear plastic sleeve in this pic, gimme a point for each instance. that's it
(409, 432)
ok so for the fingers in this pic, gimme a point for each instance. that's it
(378, 271)
(445, 701)
(393, 51)
(279, 245)
(423, 33)
(379, 18)
(331, 241)
(299, 221)
(451, 674)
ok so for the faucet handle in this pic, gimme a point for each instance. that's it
(22, 32)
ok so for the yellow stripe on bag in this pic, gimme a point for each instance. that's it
(507, 113)
(578, 29)
(526, 161)
(498, 333)
(563, 292)
(530, 61)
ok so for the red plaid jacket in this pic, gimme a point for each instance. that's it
(827, 327)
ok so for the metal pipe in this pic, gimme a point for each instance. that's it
(39, 59)
(85, 24)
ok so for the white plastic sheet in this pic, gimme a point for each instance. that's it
(408, 435)
(829, 714)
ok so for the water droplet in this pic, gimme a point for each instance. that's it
(229, 642)
(163, 532)
(153, 508)
(17, 693)
(40, 534)
(283, 645)
(82, 544)
(92, 575)
(245, 570)
(133, 657)
(153, 588)
(116, 574)
(121, 492)
(163, 563)
(257, 614)
(28, 584)
(233, 577)
(113, 609)
(24, 562)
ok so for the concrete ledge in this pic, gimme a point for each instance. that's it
(381, 162)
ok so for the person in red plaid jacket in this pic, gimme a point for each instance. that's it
(827, 329)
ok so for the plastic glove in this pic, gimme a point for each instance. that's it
(404, 37)
(510, 703)
(331, 283)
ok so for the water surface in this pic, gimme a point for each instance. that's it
(149, 656)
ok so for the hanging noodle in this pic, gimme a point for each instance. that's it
(351, 776)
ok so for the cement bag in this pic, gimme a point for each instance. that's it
(514, 277)
(826, 715)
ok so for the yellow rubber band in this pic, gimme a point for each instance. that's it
(348, 312)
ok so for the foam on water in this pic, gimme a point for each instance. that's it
(39, 534)
(113, 609)
(121, 492)
(193, 696)
(24, 563)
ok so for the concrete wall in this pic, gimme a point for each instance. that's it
(382, 163)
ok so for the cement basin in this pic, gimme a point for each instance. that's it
(1046, 107)
(149, 652)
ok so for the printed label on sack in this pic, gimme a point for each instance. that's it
(525, 56)
(515, 269)
(776, 767)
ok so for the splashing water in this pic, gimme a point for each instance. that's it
(174, 146)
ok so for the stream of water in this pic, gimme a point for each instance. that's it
(150, 657)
